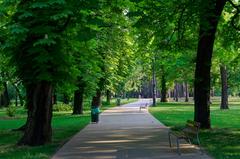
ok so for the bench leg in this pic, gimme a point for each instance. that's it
(169, 139)
(201, 150)
(178, 149)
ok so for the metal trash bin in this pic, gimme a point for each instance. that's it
(95, 114)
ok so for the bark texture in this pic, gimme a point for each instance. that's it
(38, 130)
(164, 89)
(54, 97)
(186, 92)
(18, 94)
(65, 99)
(176, 92)
(153, 83)
(78, 99)
(224, 96)
(108, 94)
(97, 99)
(4, 97)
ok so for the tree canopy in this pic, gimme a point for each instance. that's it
(89, 49)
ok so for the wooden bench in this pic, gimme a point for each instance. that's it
(144, 106)
(189, 133)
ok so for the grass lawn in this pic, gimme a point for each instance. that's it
(64, 126)
(222, 141)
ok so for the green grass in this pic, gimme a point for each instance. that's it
(222, 141)
(64, 126)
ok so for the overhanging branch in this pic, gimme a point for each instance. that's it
(237, 7)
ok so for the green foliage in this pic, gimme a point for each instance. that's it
(62, 107)
(11, 111)
(226, 52)
(166, 32)
(70, 42)
(34, 43)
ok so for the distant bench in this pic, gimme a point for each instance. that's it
(143, 106)
(189, 132)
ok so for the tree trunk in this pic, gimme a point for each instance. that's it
(5, 101)
(78, 100)
(176, 92)
(192, 92)
(169, 93)
(19, 95)
(153, 82)
(1, 100)
(54, 97)
(181, 88)
(124, 95)
(209, 15)
(38, 129)
(212, 92)
(186, 92)
(16, 99)
(173, 93)
(65, 99)
(97, 99)
(224, 97)
(108, 94)
(163, 90)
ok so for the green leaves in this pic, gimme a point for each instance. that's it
(39, 5)
(63, 15)
(44, 42)
(35, 33)
(17, 29)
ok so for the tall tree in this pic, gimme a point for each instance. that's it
(225, 52)
(35, 33)
(186, 92)
(78, 99)
(210, 12)
(154, 91)
(164, 87)
(224, 92)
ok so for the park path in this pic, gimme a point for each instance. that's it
(125, 132)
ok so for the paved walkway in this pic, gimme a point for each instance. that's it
(125, 132)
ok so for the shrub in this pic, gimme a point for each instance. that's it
(11, 111)
(62, 107)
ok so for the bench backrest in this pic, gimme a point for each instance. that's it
(192, 128)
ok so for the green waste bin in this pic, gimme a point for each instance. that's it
(95, 114)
